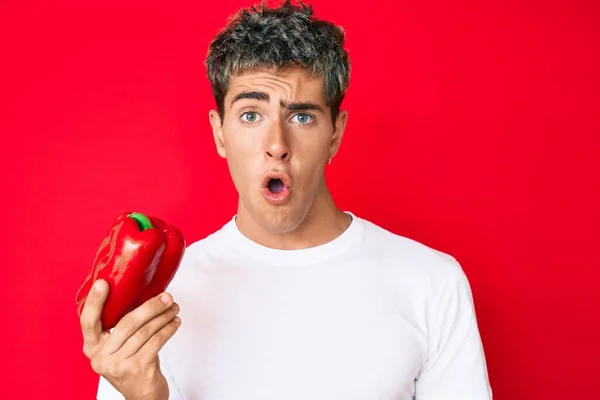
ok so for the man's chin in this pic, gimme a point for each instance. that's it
(279, 220)
(280, 224)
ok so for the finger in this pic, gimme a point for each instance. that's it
(135, 319)
(149, 351)
(90, 319)
(139, 338)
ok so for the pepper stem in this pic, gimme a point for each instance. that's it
(142, 221)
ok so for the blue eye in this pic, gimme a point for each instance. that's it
(250, 117)
(302, 119)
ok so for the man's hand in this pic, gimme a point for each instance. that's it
(127, 357)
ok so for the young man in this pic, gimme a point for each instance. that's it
(293, 299)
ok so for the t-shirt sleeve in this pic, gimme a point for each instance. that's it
(455, 368)
(107, 392)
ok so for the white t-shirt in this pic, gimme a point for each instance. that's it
(370, 315)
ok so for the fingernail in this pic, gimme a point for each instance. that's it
(164, 298)
(98, 286)
(177, 320)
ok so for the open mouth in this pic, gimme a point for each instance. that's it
(276, 187)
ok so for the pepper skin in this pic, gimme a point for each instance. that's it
(169, 262)
(138, 258)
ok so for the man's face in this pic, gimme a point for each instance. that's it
(277, 136)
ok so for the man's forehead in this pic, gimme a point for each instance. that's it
(294, 84)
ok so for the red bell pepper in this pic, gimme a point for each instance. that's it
(138, 258)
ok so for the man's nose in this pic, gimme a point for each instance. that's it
(277, 147)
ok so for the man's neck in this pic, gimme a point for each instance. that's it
(324, 223)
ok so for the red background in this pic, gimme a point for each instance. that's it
(473, 128)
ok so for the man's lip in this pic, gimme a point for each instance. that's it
(285, 178)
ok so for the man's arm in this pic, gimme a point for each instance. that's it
(456, 367)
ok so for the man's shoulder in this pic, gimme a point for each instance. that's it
(202, 253)
(409, 257)
(215, 242)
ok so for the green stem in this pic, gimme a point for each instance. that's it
(142, 221)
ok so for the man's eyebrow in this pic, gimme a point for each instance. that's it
(301, 106)
(250, 95)
(262, 96)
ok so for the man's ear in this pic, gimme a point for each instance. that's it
(217, 128)
(338, 134)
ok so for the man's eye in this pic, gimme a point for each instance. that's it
(302, 119)
(250, 117)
